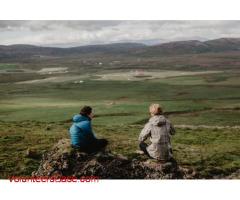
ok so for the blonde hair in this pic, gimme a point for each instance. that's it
(155, 109)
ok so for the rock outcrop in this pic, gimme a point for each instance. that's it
(62, 160)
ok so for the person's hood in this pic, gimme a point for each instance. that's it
(157, 120)
(80, 118)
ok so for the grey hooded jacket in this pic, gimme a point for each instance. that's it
(159, 129)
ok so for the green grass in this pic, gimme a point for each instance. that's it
(127, 101)
(226, 78)
(215, 117)
(191, 147)
(17, 138)
(8, 66)
(194, 112)
(208, 150)
(35, 116)
(142, 91)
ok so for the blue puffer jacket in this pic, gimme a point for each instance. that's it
(81, 131)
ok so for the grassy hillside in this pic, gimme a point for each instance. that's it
(209, 151)
(36, 115)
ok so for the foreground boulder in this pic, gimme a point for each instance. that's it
(62, 160)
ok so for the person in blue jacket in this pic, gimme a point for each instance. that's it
(82, 135)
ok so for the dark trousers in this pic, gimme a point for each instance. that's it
(93, 146)
(143, 146)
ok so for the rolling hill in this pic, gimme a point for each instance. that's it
(191, 47)
(127, 49)
(28, 51)
(218, 54)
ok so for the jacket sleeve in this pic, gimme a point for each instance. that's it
(145, 133)
(172, 130)
(87, 128)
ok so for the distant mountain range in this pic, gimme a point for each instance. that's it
(127, 49)
(191, 47)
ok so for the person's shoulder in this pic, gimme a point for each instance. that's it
(86, 123)
(77, 118)
(162, 116)
(158, 118)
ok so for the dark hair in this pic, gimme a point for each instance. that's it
(86, 110)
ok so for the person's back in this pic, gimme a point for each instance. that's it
(82, 135)
(80, 131)
(159, 130)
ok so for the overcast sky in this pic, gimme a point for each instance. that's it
(76, 33)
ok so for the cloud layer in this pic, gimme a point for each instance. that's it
(75, 33)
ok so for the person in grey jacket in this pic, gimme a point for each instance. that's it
(159, 129)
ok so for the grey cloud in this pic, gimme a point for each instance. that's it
(73, 33)
(39, 25)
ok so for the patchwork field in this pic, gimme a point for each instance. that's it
(140, 75)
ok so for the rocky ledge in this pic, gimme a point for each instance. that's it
(62, 160)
